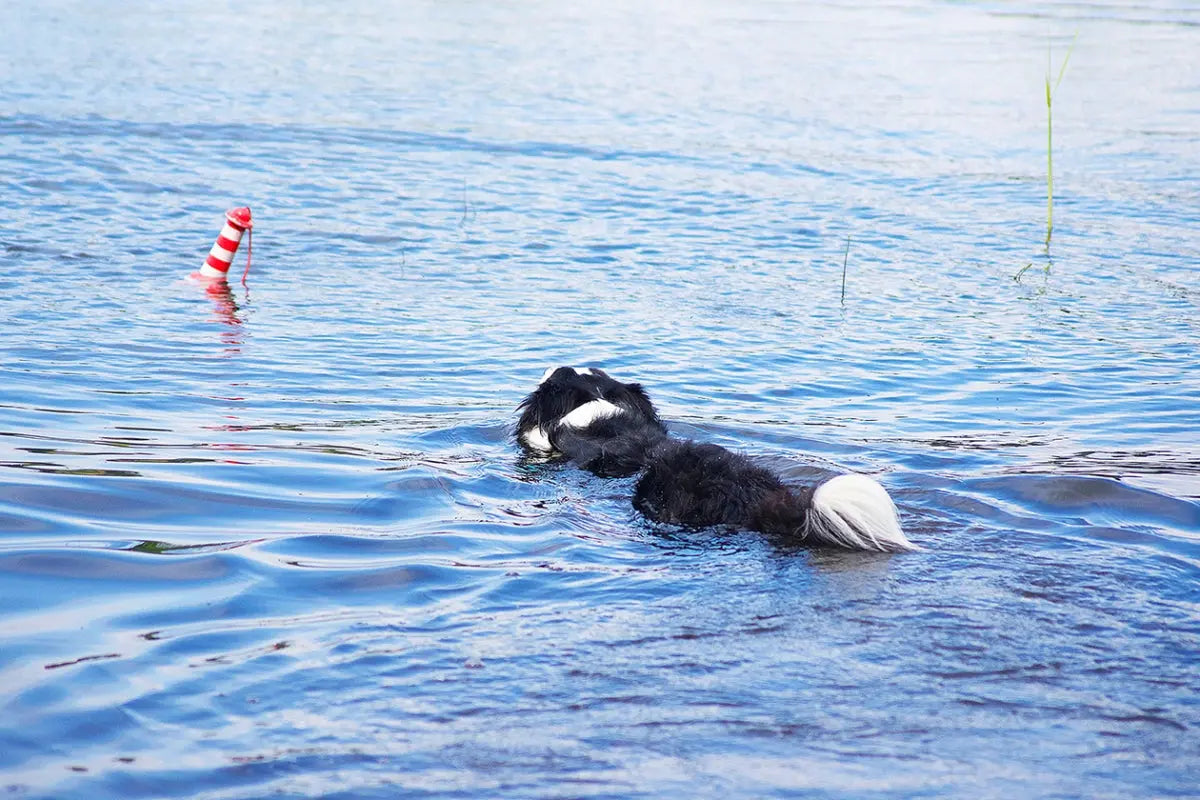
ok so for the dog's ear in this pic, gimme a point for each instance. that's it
(640, 401)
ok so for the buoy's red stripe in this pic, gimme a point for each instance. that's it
(228, 244)
(217, 264)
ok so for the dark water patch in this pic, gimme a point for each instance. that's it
(96, 126)
(1095, 500)
(110, 567)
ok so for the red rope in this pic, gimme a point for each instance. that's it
(249, 249)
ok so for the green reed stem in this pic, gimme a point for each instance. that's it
(1050, 134)
(1049, 163)
(845, 259)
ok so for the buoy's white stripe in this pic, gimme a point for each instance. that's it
(220, 253)
(209, 271)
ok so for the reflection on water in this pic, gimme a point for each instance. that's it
(225, 310)
(289, 547)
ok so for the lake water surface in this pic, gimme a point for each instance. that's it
(278, 541)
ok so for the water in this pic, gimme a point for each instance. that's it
(279, 542)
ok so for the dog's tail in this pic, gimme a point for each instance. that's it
(854, 511)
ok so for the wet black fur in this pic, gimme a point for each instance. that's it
(683, 482)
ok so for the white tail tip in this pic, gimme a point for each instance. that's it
(855, 511)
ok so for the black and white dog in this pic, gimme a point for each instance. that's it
(613, 430)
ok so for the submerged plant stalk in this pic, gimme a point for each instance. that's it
(845, 259)
(1050, 135)
(1049, 163)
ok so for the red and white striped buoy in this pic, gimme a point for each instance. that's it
(216, 266)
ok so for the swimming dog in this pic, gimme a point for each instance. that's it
(612, 429)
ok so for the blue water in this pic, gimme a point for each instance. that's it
(278, 541)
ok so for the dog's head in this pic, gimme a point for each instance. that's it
(577, 397)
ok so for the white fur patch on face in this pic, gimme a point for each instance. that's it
(582, 371)
(537, 439)
(588, 413)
